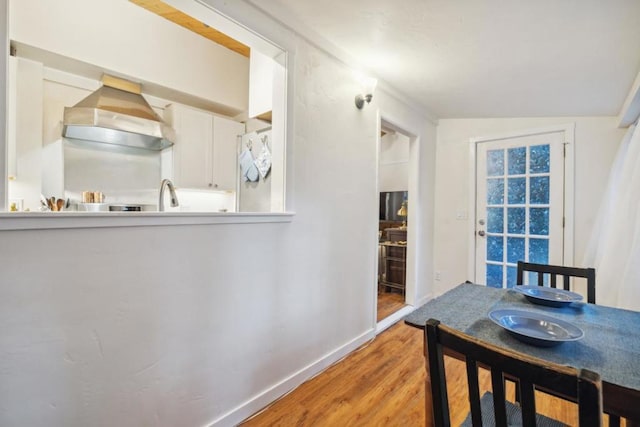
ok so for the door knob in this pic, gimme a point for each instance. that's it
(481, 233)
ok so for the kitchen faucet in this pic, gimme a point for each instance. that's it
(172, 192)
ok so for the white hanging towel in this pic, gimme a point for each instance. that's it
(248, 168)
(263, 162)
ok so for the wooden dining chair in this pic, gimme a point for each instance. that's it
(553, 271)
(583, 387)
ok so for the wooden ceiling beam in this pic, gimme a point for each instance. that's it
(180, 18)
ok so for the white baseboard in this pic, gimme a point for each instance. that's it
(260, 401)
(398, 315)
(393, 318)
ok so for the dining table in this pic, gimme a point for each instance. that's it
(610, 345)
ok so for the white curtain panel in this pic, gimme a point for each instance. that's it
(614, 246)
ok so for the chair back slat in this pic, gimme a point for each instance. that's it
(474, 391)
(528, 403)
(583, 387)
(499, 398)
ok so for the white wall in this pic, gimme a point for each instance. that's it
(193, 325)
(121, 37)
(26, 130)
(596, 142)
(393, 168)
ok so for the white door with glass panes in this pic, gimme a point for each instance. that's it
(519, 205)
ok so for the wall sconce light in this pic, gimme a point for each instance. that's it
(368, 85)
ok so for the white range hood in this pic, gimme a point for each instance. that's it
(117, 114)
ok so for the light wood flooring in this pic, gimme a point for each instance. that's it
(389, 303)
(382, 384)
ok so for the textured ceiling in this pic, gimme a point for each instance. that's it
(489, 58)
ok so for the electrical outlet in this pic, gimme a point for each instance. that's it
(437, 276)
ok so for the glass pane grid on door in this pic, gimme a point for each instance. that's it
(517, 210)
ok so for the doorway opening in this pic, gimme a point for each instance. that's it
(393, 219)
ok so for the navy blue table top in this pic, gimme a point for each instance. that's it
(610, 346)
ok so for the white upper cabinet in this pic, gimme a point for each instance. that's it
(204, 154)
(225, 158)
(193, 149)
(261, 74)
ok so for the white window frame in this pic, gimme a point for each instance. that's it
(270, 37)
